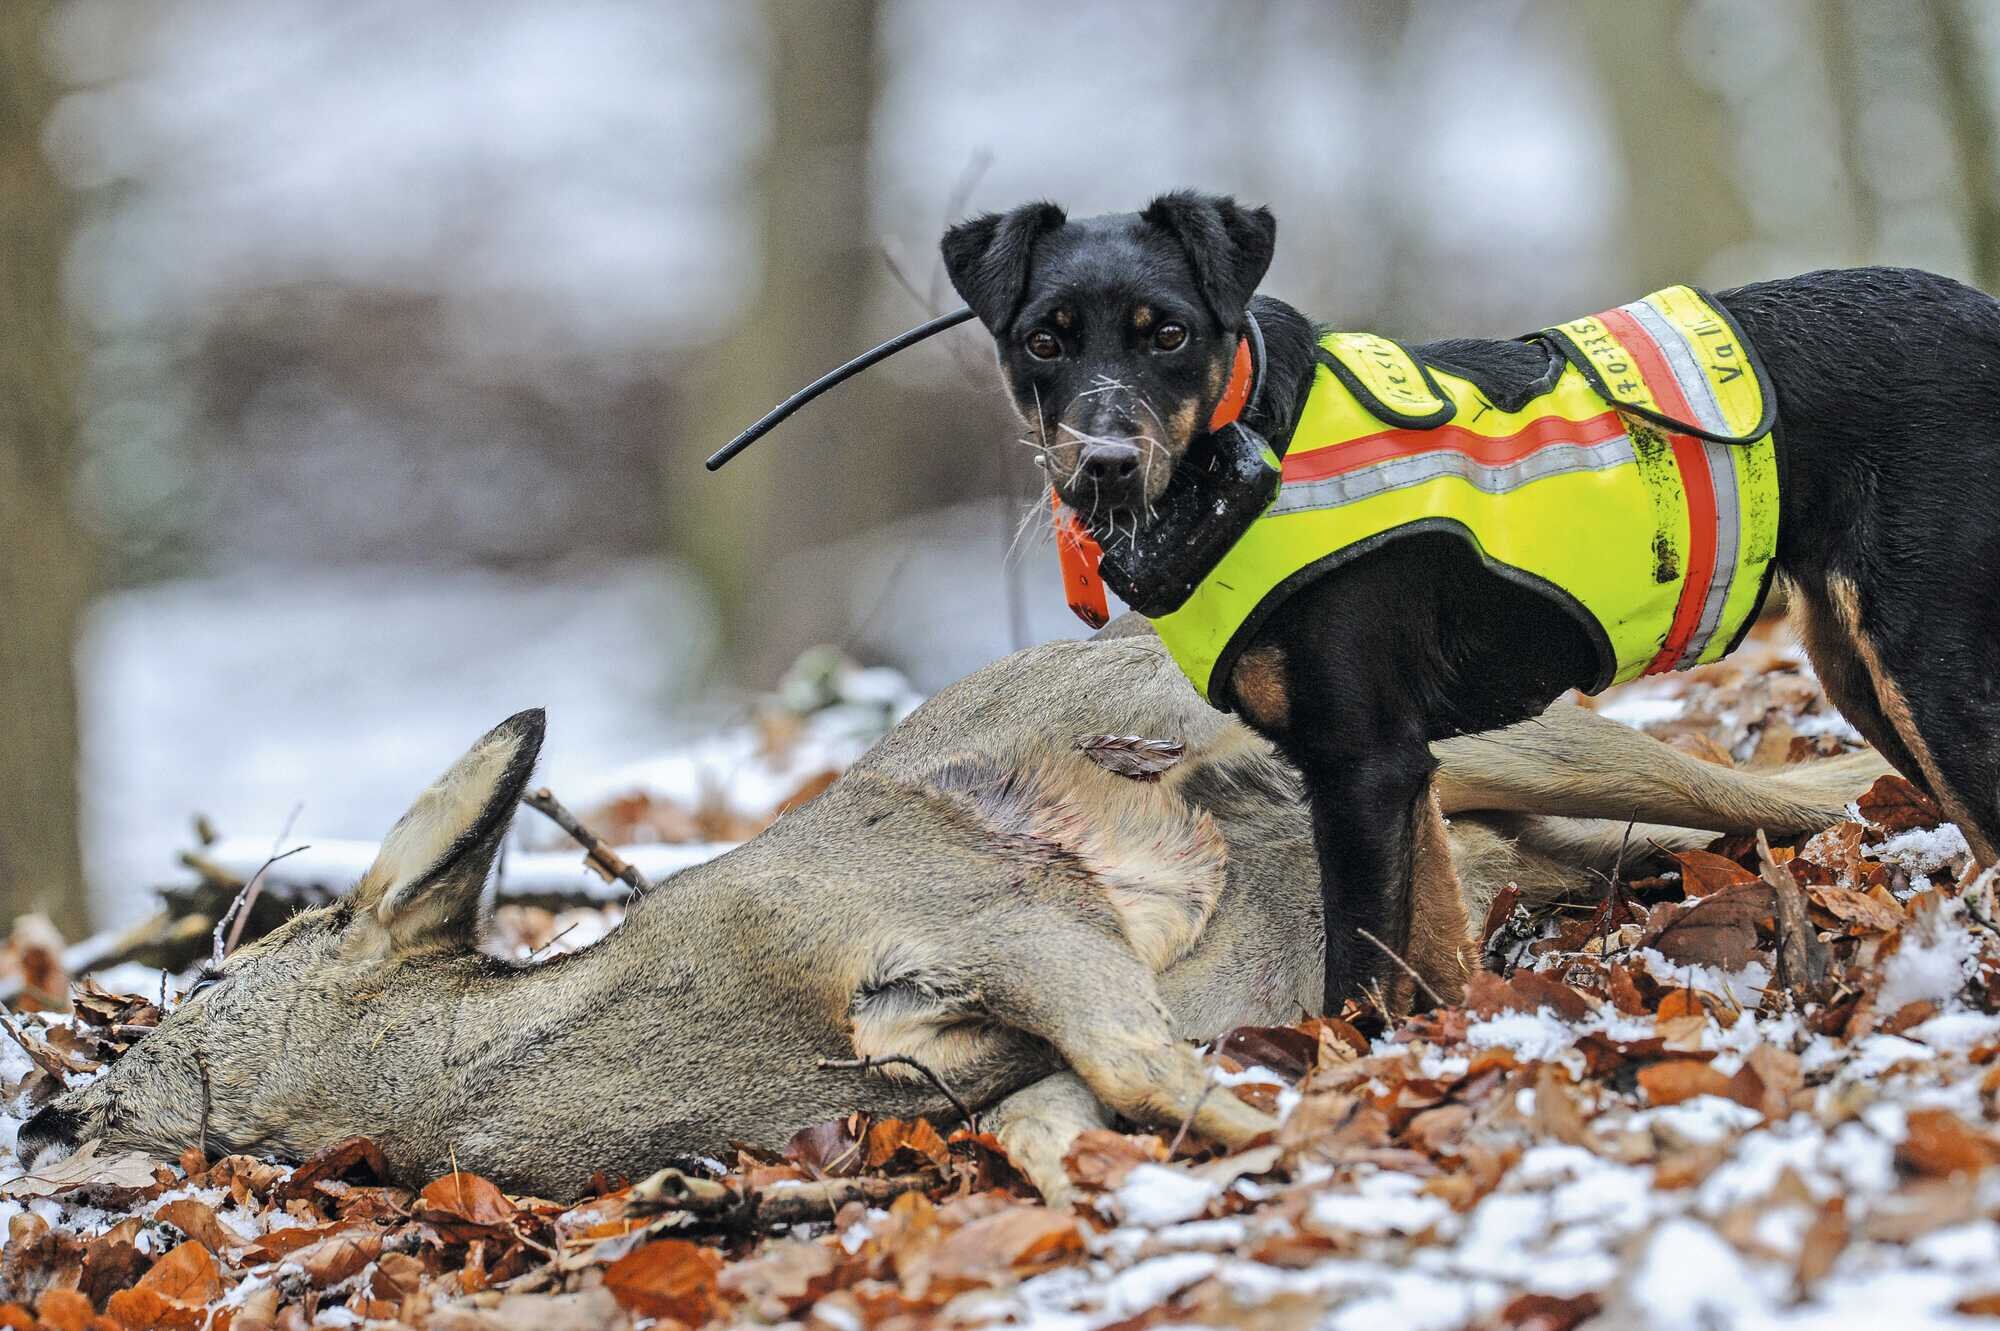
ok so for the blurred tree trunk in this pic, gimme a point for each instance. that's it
(1681, 206)
(44, 566)
(819, 477)
(1968, 94)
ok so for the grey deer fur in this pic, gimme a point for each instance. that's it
(974, 893)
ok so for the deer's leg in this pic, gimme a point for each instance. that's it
(1038, 1124)
(1089, 995)
(1573, 763)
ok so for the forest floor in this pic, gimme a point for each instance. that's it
(1653, 1112)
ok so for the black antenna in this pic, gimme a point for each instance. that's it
(777, 415)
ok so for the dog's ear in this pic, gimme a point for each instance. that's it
(987, 259)
(1228, 246)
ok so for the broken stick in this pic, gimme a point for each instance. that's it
(598, 854)
(879, 1061)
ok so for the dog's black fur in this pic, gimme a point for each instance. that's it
(1888, 392)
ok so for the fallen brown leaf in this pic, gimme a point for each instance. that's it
(1939, 1144)
(1858, 910)
(830, 1150)
(1704, 874)
(1546, 1312)
(1718, 930)
(667, 1278)
(110, 1263)
(464, 1196)
(1288, 1051)
(1893, 804)
(905, 1145)
(198, 1221)
(330, 1260)
(1101, 1158)
(997, 1249)
(126, 1173)
(332, 1162)
(187, 1274)
(64, 1310)
(1680, 1079)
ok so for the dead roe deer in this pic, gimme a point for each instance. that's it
(975, 893)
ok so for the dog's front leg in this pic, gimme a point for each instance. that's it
(1367, 807)
(1357, 738)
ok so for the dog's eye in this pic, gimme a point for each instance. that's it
(1043, 345)
(1170, 337)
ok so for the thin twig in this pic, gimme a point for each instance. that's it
(1613, 893)
(1405, 967)
(229, 929)
(880, 1061)
(1207, 1089)
(597, 852)
(207, 1100)
(537, 953)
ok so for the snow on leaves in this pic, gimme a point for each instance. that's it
(1633, 1119)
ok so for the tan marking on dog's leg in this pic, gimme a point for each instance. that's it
(1841, 673)
(1258, 686)
(1440, 933)
(1896, 708)
(1040, 1123)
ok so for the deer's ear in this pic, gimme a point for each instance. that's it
(425, 885)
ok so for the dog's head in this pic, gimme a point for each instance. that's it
(1116, 334)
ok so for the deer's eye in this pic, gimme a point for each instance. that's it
(1043, 345)
(1170, 337)
(204, 980)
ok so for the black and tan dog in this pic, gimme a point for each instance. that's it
(1122, 339)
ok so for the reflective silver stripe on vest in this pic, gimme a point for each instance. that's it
(1722, 461)
(1399, 473)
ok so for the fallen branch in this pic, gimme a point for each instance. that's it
(598, 854)
(879, 1061)
(671, 1191)
(1405, 967)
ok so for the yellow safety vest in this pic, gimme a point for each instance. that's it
(1639, 491)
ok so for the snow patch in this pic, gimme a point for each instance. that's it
(1155, 1195)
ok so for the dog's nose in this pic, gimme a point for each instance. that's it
(51, 1127)
(1111, 463)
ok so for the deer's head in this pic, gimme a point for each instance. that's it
(279, 1049)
